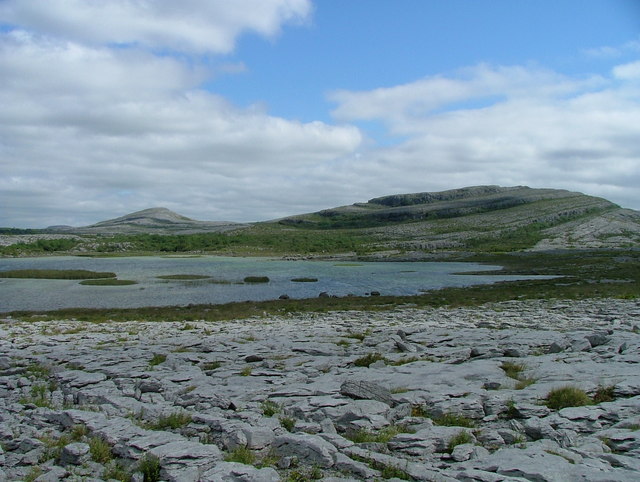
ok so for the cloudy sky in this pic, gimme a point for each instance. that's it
(248, 110)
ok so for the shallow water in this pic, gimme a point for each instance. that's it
(226, 283)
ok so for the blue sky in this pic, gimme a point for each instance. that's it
(255, 109)
(366, 44)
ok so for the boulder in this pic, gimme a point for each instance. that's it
(310, 449)
(364, 390)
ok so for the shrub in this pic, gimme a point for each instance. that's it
(567, 396)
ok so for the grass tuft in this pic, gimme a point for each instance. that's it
(567, 396)
(369, 359)
(149, 465)
(462, 437)
(174, 420)
(604, 394)
(270, 408)
(241, 455)
(100, 450)
(453, 420)
(157, 359)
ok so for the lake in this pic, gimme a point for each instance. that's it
(226, 282)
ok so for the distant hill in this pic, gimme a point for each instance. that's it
(153, 220)
(484, 218)
(477, 218)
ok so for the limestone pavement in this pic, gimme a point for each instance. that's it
(410, 394)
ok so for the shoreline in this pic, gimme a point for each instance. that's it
(302, 368)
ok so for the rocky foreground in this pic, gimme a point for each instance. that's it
(438, 394)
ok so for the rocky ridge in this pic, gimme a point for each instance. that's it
(458, 218)
(410, 394)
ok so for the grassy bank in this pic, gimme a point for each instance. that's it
(584, 275)
(70, 274)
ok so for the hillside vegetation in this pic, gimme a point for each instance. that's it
(481, 219)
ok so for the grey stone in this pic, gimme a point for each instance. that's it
(359, 469)
(75, 453)
(363, 390)
(597, 339)
(207, 395)
(308, 448)
(79, 379)
(54, 474)
(465, 452)
(235, 472)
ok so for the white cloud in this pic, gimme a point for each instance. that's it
(630, 71)
(506, 125)
(92, 132)
(198, 26)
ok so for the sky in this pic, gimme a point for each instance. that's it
(250, 110)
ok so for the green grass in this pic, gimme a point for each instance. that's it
(515, 371)
(256, 279)
(270, 408)
(174, 421)
(69, 274)
(567, 396)
(379, 436)
(368, 359)
(39, 371)
(157, 359)
(604, 394)
(183, 277)
(212, 365)
(100, 450)
(149, 465)
(241, 455)
(288, 423)
(453, 420)
(462, 437)
(108, 282)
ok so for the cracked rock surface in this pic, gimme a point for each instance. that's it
(410, 394)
